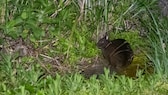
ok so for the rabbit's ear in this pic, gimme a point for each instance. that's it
(106, 36)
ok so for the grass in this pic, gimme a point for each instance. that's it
(59, 34)
(159, 56)
(27, 82)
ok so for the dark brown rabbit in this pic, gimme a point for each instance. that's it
(117, 52)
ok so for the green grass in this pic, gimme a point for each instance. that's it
(27, 82)
(67, 31)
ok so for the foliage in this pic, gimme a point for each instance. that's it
(68, 29)
(27, 81)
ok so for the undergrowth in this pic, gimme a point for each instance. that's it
(59, 33)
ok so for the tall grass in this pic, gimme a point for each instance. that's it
(72, 26)
(158, 39)
(157, 30)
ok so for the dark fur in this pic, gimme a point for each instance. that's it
(118, 52)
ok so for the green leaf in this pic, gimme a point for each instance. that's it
(24, 15)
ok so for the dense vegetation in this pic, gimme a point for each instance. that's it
(43, 43)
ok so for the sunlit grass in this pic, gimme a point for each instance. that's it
(70, 33)
(26, 82)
